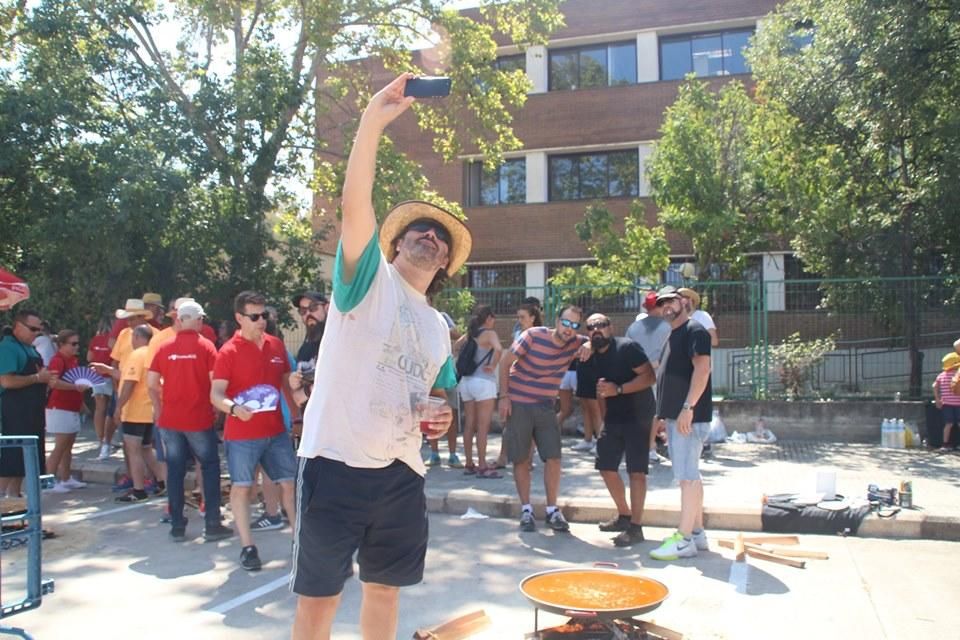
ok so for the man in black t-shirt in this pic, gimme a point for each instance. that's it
(685, 404)
(312, 307)
(623, 378)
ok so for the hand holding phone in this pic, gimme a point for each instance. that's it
(427, 87)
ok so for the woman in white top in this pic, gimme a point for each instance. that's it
(478, 391)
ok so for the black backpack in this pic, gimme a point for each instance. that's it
(467, 360)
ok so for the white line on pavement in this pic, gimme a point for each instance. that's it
(251, 595)
(108, 512)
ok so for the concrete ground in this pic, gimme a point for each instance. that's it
(118, 575)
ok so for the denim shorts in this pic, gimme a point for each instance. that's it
(478, 389)
(951, 415)
(274, 454)
(685, 450)
(103, 389)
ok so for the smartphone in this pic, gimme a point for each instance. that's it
(427, 87)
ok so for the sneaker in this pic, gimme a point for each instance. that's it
(267, 523)
(125, 483)
(104, 451)
(700, 539)
(133, 496)
(654, 457)
(454, 461)
(632, 535)
(557, 522)
(73, 483)
(249, 558)
(220, 532)
(178, 532)
(166, 518)
(433, 460)
(583, 445)
(527, 523)
(617, 523)
(59, 487)
(674, 547)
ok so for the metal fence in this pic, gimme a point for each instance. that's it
(889, 333)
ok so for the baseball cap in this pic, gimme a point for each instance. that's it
(650, 300)
(667, 293)
(190, 310)
(172, 309)
(314, 296)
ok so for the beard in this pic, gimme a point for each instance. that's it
(315, 331)
(423, 254)
(599, 342)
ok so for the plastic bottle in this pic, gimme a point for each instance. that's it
(901, 434)
(885, 433)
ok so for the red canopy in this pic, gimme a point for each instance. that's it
(12, 290)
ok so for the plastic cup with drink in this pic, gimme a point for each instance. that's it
(431, 413)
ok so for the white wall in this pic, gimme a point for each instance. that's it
(644, 151)
(537, 68)
(648, 57)
(773, 271)
(536, 176)
(536, 279)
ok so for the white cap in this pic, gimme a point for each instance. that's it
(190, 310)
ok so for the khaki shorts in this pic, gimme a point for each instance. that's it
(532, 422)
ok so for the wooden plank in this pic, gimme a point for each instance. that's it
(756, 552)
(772, 539)
(739, 549)
(456, 629)
(793, 552)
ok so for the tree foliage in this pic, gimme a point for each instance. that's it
(624, 258)
(161, 145)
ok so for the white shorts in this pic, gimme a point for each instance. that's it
(103, 389)
(60, 421)
(474, 388)
(569, 382)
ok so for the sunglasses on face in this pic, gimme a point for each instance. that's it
(600, 324)
(257, 316)
(305, 310)
(569, 324)
(423, 226)
(32, 328)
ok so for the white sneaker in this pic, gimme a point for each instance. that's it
(59, 487)
(583, 445)
(654, 457)
(700, 539)
(104, 451)
(73, 483)
(673, 548)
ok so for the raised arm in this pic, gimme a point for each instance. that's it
(359, 221)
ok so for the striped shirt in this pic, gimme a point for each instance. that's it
(536, 374)
(947, 396)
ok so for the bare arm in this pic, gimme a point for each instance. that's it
(698, 383)
(359, 221)
(126, 390)
(714, 337)
(492, 341)
(13, 381)
(219, 400)
(153, 389)
(504, 405)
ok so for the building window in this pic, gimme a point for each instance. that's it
(512, 63)
(507, 184)
(502, 287)
(705, 54)
(593, 66)
(594, 175)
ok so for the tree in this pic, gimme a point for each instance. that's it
(623, 258)
(179, 154)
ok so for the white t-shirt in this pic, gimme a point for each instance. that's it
(382, 342)
(45, 347)
(704, 319)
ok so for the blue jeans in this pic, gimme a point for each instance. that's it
(203, 445)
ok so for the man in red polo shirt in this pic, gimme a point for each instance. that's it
(250, 373)
(179, 383)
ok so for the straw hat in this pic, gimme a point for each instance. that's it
(951, 361)
(691, 295)
(152, 298)
(133, 307)
(406, 212)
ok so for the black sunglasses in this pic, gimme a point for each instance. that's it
(422, 226)
(257, 316)
(32, 328)
(305, 310)
(600, 324)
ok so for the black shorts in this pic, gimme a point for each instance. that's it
(142, 430)
(340, 510)
(618, 439)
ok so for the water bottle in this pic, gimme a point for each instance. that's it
(901, 434)
(885, 432)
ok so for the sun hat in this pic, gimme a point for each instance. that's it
(693, 296)
(133, 307)
(152, 298)
(404, 213)
(951, 361)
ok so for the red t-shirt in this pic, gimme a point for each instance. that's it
(58, 399)
(99, 348)
(207, 332)
(185, 363)
(242, 364)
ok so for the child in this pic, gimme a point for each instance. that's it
(948, 401)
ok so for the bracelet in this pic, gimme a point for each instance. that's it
(232, 407)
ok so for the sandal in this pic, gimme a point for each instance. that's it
(470, 470)
(495, 465)
(489, 474)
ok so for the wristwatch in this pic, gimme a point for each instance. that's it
(619, 389)
(686, 405)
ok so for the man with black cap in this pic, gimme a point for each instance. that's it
(312, 307)
(386, 352)
(685, 403)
